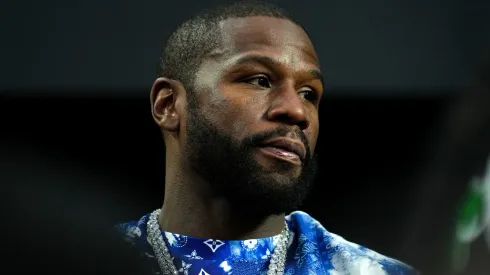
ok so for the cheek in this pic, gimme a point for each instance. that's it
(240, 121)
(229, 117)
(312, 134)
(236, 111)
(313, 144)
(248, 115)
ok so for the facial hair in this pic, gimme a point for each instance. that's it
(230, 168)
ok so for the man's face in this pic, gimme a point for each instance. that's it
(253, 123)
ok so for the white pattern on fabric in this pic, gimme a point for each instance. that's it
(176, 240)
(185, 268)
(311, 250)
(250, 245)
(214, 244)
(267, 254)
(194, 256)
(225, 266)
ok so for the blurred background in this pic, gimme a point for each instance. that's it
(405, 119)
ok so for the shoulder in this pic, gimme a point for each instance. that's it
(341, 255)
(133, 232)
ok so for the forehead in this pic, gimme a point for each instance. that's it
(277, 36)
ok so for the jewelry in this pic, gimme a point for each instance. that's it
(165, 261)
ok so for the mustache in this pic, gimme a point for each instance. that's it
(283, 131)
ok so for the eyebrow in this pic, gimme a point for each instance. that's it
(270, 62)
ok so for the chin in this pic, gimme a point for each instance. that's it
(278, 168)
(284, 179)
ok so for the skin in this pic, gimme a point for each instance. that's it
(241, 95)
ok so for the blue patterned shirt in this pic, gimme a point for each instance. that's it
(311, 250)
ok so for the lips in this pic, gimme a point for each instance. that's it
(287, 145)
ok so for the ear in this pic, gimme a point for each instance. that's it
(166, 98)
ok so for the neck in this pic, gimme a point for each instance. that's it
(191, 208)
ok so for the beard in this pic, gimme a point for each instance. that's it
(230, 168)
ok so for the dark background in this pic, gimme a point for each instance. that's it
(395, 153)
(405, 46)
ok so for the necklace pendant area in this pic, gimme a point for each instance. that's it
(166, 262)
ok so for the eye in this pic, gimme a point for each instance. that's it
(309, 95)
(260, 80)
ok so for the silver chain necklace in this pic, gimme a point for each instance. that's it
(165, 261)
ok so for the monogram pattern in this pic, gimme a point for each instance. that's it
(311, 250)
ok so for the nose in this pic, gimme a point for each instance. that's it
(288, 108)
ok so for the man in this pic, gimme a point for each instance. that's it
(237, 101)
